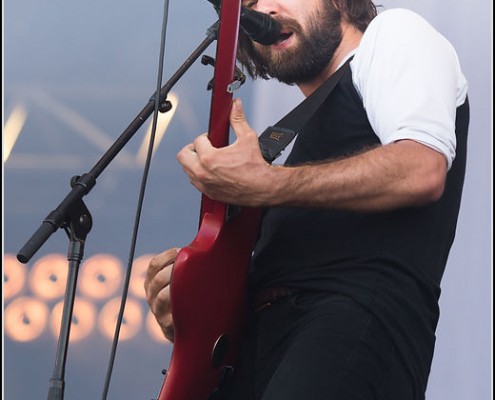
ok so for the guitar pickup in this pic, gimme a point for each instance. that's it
(239, 76)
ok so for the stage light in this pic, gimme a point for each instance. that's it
(83, 319)
(14, 276)
(12, 129)
(161, 127)
(100, 276)
(139, 267)
(132, 321)
(48, 277)
(25, 319)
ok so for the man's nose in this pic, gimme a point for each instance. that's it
(271, 7)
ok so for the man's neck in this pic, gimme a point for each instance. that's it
(351, 36)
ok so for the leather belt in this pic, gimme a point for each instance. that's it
(270, 295)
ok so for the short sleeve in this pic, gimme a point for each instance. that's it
(409, 78)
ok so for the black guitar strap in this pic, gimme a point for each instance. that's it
(276, 138)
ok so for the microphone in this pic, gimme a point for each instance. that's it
(259, 27)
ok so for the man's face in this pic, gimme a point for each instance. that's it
(311, 34)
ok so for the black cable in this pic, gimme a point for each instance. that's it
(139, 204)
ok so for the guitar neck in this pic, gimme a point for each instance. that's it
(221, 99)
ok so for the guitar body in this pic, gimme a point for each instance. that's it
(208, 294)
(209, 278)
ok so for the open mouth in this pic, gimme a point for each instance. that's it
(284, 36)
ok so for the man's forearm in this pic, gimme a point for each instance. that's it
(401, 174)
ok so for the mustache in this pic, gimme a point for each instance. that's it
(289, 24)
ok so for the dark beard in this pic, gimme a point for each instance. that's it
(313, 52)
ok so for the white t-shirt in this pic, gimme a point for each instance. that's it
(409, 78)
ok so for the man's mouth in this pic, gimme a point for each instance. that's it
(284, 36)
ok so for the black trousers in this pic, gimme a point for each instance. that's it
(319, 346)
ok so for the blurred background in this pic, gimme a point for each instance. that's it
(75, 74)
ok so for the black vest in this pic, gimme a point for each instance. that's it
(389, 262)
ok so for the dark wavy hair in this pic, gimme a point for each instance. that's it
(358, 13)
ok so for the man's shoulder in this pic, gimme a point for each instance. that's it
(399, 31)
(397, 17)
(398, 22)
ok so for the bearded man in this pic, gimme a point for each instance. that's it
(359, 221)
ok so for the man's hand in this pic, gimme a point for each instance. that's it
(404, 173)
(235, 174)
(157, 287)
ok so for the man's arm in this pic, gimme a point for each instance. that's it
(400, 174)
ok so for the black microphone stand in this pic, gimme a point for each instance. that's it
(74, 217)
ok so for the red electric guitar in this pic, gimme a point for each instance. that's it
(209, 277)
